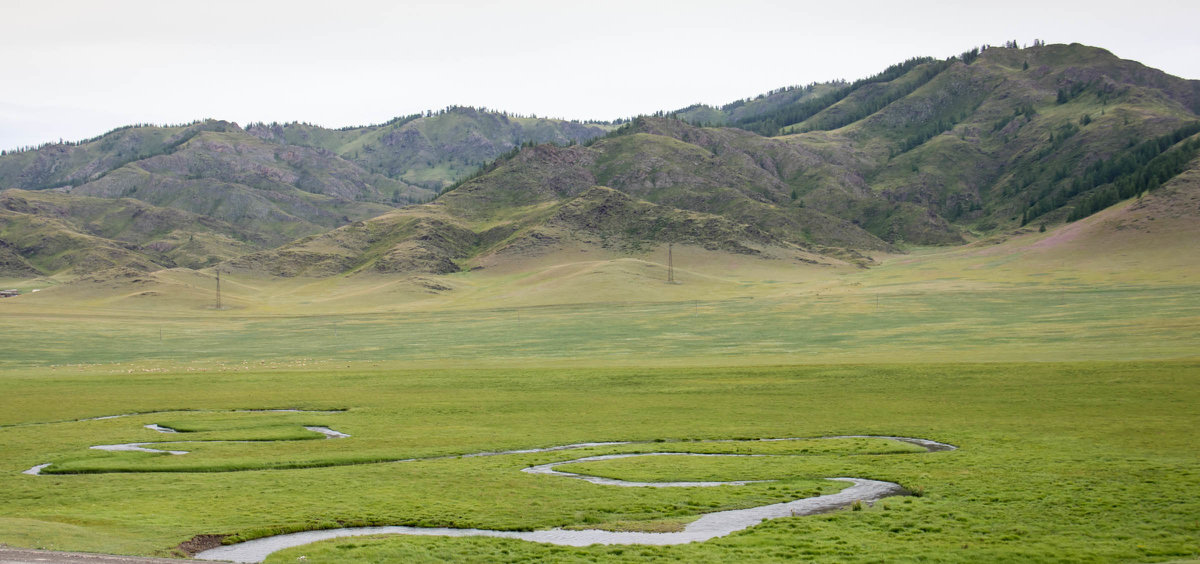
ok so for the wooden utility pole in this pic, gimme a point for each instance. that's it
(218, 289)
(670, 265)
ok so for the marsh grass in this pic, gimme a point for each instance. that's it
(1093, 461)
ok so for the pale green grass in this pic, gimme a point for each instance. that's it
(1034, 322)
(1078, 461)
(1085, 456)
(1055, 296)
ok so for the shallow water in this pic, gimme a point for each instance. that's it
(329, 433)
(548, 469)
(142, 447)
(36, 470)
(137, 447)
(708, 526)
(120, 415)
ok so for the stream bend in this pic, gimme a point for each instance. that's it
(708, 526)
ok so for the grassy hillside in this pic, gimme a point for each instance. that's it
(238, 178)
(1119, 284)
(214, 196)
(749, 110)
(257, 190)
(926, 152)
(1080, 450)
(36, 246)
(188, 196)
(665, 182)
(60, 164)
(948, 250)
(159, 237)
(988, 140)
(433, 150)
(998, 142)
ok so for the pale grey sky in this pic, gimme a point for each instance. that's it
(76, 68)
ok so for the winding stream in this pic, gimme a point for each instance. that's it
(708, 526)
(143, 446)
(548, 469)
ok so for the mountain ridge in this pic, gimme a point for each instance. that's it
(927, 152)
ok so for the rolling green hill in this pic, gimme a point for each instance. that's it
(984, 140)
(638, 189)
(56, 165)
(257, 189)
(995, 252)
(436, 149)
(50, 232)
(926, 152)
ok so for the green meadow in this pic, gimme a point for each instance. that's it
(1059, 461)
(1069, 390)
(1033, 322)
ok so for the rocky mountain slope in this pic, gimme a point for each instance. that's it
(982, 141)
(434, 150)
(927, 152)
(257, 188)
(45, 231)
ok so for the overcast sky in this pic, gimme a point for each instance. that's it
(75, 69)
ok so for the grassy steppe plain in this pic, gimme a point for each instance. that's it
(1074, 462)
(1068, 383)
